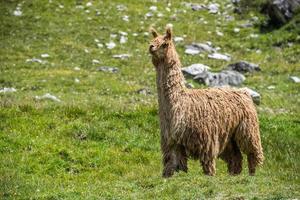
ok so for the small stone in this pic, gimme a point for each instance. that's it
(45, 55)
(36, 60)
(143, 91)
(123, 39)
(219, 56)
(295, 79)
(213, 8)
(88, 4)
(178, 39)
(153, 8)
(192, 51)
(48, 96)
(110, 45)
(236, 30)
(17, 12)
(5, 90)
(254, 95)
(271, 87)
(219, 33)
(95, 61)
(125, 18)
(76, 68)
(122, 56)
(77, 80)
(108, 69)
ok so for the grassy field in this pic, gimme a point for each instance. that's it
(102, 140)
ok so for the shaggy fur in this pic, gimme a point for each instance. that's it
(201, 123)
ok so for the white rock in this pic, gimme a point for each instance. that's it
(96, 40)
(45, 55)
(122, 56)
(253, 35)
(219, 33)
(160, 15)
(295, 79)
(195, 69)
(271, 87)
(112, 35)
(149, 14)
(17, 12)
(61, 6)
(76, 68)
(110, 45)
(48, 96)
(5, 90)
(153, 8)
(213, 8)
(99, 45)
(86, 51)
(95, 61)
(219, 56)
(125, 18)
(192, 51)
(169, 25)
(36, 60)
(135, 34)
(121, 7)
(77, 80)
(178, 39)
(236, 30)
(123, 33)
(254, 95)
(123, 39)
(88, 4)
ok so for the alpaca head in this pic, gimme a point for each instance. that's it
(161, 45)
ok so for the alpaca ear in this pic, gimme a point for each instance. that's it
(169, 33)
(154, 32)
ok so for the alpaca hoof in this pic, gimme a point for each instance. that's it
(167, 173)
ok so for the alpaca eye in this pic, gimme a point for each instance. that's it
(164, 45)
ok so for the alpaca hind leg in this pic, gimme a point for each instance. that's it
(233, 157)
(209, 166)
(251, 164)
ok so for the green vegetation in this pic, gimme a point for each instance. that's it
(102, 141)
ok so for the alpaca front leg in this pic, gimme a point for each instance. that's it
(181, 159)
(169, 162)
(209, 166)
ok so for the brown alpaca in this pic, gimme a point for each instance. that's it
(201, 123)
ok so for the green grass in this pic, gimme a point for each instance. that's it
(102, 141)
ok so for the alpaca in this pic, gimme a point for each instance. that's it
(202, 124)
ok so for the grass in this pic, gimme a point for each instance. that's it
(102, 140)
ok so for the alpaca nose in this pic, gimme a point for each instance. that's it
(151, 48)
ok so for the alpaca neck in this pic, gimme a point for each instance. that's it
(170, 80)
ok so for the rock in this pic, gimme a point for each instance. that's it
(189, 85)
(213, 8)
(281, 11)
(76, 68)
(192, 51)
(236, 30)
(295, 79)
(95, 61)
(197, 7)
(5, 90)
(244, 67)
(195, 69)
(125, 18)
(108, 69)
(201, 47)
(223, 78)
(36, 60)
(143, 91)
(254, 95)
(123, 39)
(178, 39)
(153, 8)
(271, 87)
(48, 96)
(122, 56)
(219, 56)
(110, 45)
(76, 80)
(18, 12)
(121, 7)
